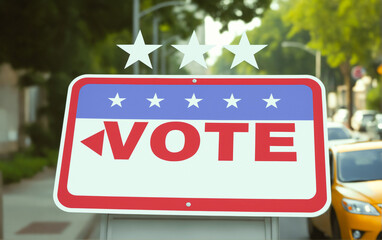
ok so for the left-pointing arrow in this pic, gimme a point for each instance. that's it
(95, 142)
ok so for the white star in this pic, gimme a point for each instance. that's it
(193, 51)
(193, 101)
(117, 100)
(231, 101)
(244, 51)
(155, 100)
(271, 101)
(138, 51)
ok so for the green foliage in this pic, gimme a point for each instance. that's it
(347, 32)
(225, 11)
(42, 139)
(58, 35)
(107, 58)
(373, 98)
(273, 59)
(31, 78)
(65, 39)
(51, 156)
(276, 59)
(56, 90)
(343, 30)
(25, 165)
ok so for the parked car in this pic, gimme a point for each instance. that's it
(341, 116)
(339, 134)
(374, 128)
(361, 118)
(356, 208)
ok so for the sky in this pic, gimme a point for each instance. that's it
(214, 37)
(235, 28)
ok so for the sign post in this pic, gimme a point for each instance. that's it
(128, 227)
(176, 147)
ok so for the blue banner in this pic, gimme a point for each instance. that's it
(248, 102)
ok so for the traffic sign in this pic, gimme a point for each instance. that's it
(194, 145)
(357, 72)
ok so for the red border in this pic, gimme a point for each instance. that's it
(198, 204)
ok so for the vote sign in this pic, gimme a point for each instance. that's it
(194, 145)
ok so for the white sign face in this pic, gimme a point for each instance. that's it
(194, 145)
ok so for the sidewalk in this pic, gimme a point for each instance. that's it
(30, 213)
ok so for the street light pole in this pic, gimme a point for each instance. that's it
(164, 52)
(155, 41)
(315, 53)
(136, 4)
(137, 15)
(318, 64)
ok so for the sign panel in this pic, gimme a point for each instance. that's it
(194, 145)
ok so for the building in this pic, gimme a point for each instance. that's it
(17, 106)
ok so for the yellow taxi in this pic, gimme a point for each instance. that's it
(356, 209)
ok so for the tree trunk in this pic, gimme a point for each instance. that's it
(21, 132)
(345, 70)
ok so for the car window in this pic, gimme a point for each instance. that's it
(363, 165)
(368, 118)
(336, 133)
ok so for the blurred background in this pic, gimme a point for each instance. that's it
(45, 44)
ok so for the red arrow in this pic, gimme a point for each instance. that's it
(95, 142)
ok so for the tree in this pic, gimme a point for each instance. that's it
(346, 31)
(44, 35)
(67, 38)
(226, 11)
(274, 59)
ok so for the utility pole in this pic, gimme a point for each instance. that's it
(315, 53)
